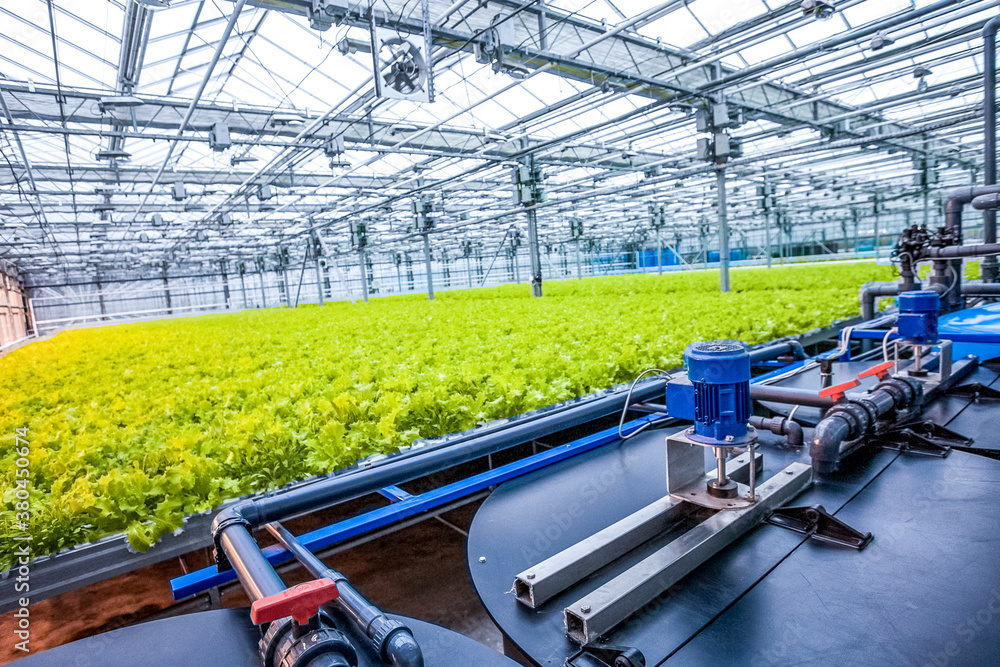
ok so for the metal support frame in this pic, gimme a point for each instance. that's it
(597, 612)
(543, 581)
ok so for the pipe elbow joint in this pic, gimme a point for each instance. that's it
(244, 512)
(402, 650)
(830, 433)
(990, 29)
(793, 433)
(395, 644)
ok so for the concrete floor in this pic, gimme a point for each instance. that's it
(418, 571)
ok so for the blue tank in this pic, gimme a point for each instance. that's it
(720, 373)
(981, 320)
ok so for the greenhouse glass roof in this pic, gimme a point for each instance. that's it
(138, 135)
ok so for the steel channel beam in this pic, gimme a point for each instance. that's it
(594, 614)
(538, 584)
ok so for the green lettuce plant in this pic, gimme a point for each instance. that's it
(134, 426)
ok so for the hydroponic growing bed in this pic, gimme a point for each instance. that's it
(134, 426)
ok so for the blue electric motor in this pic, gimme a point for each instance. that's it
(720, 373)
(918, 316)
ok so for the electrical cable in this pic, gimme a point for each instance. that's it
(628, 398)
(885, 343)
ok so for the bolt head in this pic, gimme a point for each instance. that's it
(690, 429)
(729, 438)
(585, 609)
(482, 559)
(530, 575)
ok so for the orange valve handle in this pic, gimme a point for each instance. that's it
(300, 602)
(837, 391)
(880, 370)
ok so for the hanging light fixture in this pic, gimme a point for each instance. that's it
(821, 9)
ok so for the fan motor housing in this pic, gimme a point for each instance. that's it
(720, 373)
(918, 316)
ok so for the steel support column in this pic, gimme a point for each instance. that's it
(364, 275)
(533, 251)
(659, 252)
(288, 292)
(427, 264)
(100, 299)
(166, 292)
(243, 288)
(720, 175)
(225, 284)
(319, 279)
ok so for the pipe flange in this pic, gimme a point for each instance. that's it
(869, 406)
(902, 393)
(855, 415)
(280, 631)
(323, 641)
(221, 523)
(268, 644)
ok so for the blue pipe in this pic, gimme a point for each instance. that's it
(210, 577)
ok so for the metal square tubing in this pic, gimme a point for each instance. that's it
(538, 584)
(591, 616)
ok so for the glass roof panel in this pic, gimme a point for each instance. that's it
(678, 28)
(275, 64)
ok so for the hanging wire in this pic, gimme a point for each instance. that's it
(628, 399)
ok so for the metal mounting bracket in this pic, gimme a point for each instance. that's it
(976, 391)
(820, 525)
(606, 656)
(921, 437)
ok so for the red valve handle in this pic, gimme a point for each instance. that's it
(837, 390)
(300, 602)
(881, 370)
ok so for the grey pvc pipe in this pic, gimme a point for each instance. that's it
(344, 487)
(776, 350)
(957, 201)
(392, 641)
(252, 569)
(780, 426)
(871, 291)
(981, 289)
(987, 203)
(958, 251)
(789, 395)
(988, 269)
